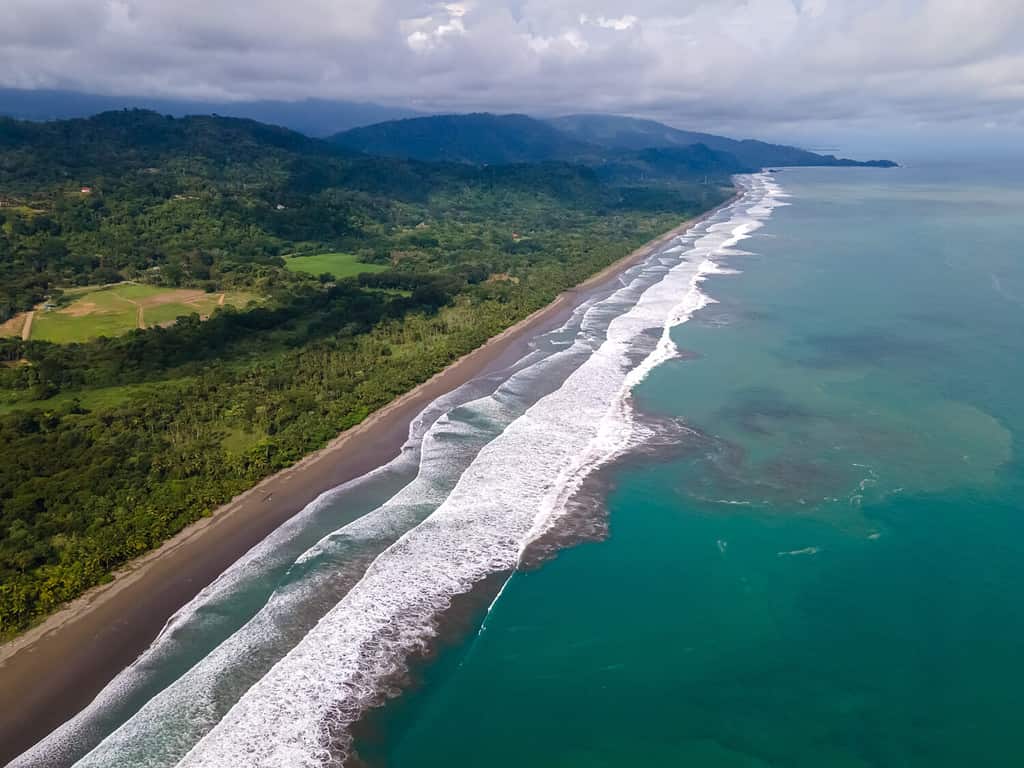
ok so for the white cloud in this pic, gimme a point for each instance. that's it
(619, 25)
(710, 63)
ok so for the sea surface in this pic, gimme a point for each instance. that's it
(760, 503)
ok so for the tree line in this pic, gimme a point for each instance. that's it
(114, 445)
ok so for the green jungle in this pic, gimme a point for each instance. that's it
(112, 445)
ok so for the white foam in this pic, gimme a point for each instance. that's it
(798, 552)
(517, 486)
(274, 551)
(61, 744)
(175, 718)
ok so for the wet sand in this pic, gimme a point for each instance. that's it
(54, 670)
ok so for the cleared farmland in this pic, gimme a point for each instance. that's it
(88, 313)
(338, 265)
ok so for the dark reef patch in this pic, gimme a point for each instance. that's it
(724, 312)
(863, 348)
(585, 518)
(763, 410)
(375, 729)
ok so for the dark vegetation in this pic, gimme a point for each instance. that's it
(477, 138)
(628, 133)
(313, 117)
(594, 140)
(111, 446)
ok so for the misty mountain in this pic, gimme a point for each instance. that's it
(486, 139)
(478, 139)
(613, 144)
(660, 164)
(398, 132)
(615, 132)
(313, 117)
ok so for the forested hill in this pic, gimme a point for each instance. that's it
(477, 138)
(625, 133)
(206, 201)
(596, 140)
(112, 445)
(313, 117)
(112, 144)
(485, 139)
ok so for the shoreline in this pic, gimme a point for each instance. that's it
(57, 667)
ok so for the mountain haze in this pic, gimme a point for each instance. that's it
(313, 117)
(666, 164)
(602, 141)
(616, 132)
(478, 139)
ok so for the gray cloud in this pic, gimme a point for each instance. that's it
(770, 64)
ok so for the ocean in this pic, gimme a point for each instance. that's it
(758, 504)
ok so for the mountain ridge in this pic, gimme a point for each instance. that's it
(619, 132)
(317, 118)
(478, 138)
(580, 138)
(484, 138)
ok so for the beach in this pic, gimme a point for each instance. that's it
(55, 669)
(825, 569)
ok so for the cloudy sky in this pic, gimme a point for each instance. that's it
(800, 68)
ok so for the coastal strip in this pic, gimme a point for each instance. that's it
(55, 669)
(303, 710)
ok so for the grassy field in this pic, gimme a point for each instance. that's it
(337, 264)
(88, 313)
(90, 399)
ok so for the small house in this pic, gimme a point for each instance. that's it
(86, 190)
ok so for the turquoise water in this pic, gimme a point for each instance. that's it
(831, 572)
(817, 561)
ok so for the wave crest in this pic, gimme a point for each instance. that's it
(516, 489)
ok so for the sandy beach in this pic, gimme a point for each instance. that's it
(55, 669)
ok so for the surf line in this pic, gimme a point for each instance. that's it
(664, 350)
(300, 712)
(191, 705)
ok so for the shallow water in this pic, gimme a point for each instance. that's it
(274, 661)
(805, 453)
(831, 574)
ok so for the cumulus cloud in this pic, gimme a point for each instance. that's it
(698, 62)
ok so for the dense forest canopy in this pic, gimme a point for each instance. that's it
(476, 138)
(313, 117)
(594, 140)
(630, 133)
(112, 446)
(214, 202)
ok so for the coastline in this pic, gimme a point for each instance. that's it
(57, 667)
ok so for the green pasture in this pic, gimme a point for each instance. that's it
(337, 264)
(89, 313)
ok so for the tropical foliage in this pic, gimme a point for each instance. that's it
(111, 446)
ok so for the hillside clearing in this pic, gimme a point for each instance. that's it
(13, 326)
(114, 310)
(338, 265)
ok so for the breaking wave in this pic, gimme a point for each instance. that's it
(273, 662)
(514, 489)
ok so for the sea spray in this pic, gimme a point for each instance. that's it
(173, 720)
(299, 714)
(212, 613)
(195, 630)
